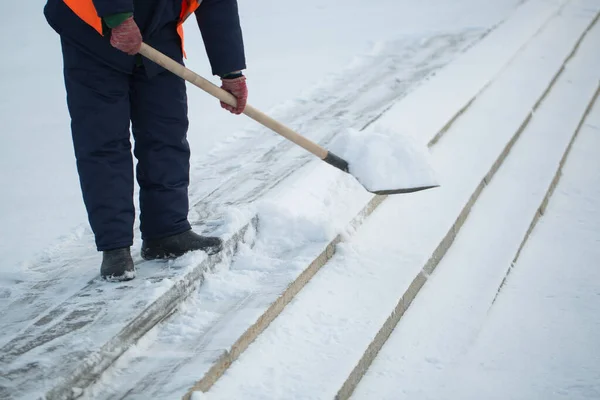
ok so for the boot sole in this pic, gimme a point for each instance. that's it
(150, 255)
(127, 276)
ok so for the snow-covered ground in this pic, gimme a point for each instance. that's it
(539, 340)
(489, 71)
(319, 339)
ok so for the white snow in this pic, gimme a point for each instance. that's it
(539, 340)
(442, 96)
(382, 160)
(329, 69)
(310, 349)
(541, 337)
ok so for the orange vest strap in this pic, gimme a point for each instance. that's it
(87, 12)
(187, 8)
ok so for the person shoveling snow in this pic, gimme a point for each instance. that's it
(109, 86)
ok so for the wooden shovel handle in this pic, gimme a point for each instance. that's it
(226, 97)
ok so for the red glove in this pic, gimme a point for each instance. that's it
(238, 88)
(127, 37)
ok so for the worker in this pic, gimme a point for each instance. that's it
(110, 87)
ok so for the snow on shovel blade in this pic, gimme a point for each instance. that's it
(384, 162)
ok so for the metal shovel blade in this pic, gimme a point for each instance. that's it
(343, 165)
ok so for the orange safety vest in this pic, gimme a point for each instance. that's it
(86, 10)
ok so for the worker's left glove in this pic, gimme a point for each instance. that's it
(237, 87)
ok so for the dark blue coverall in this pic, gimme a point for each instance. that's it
(107, 89)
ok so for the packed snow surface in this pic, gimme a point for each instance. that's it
(383, 160)
(539, 340)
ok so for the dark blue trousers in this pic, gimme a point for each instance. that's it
(103, 103)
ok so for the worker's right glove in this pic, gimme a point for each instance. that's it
(127, 37)
(237, 87)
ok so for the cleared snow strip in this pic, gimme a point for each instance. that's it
(446, 318)
(432, 106)
(310, 350)
(540, 339)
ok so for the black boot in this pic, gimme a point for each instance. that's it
(177, 245)
(117, 265)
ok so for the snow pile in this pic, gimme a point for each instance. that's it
(383, 160)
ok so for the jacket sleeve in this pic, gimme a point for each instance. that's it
(219, 24)
(110, 7)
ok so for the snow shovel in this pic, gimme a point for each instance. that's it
(368, 181)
